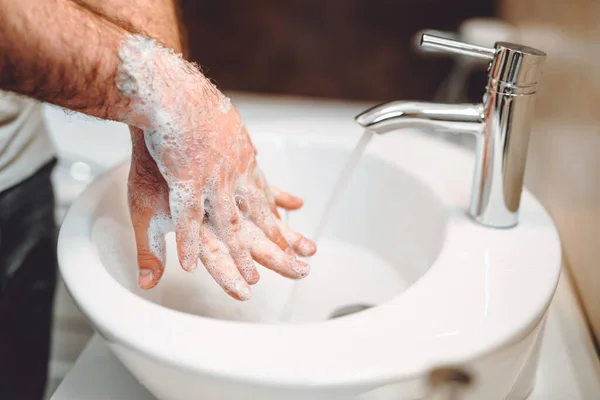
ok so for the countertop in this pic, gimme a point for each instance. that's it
(569, 368)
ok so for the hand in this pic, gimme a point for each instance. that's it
(194, 171)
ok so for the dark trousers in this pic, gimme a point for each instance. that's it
(28, 271)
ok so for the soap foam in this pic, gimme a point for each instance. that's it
(146, 74)
(160, 225)
(198, 142)
(224, 103)
(180, 135)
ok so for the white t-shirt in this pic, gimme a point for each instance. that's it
(25, 144)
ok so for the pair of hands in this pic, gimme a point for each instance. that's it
(194, 171)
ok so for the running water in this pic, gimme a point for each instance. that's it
(342, 182)
(338, 191)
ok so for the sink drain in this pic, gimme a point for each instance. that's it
(349, 309)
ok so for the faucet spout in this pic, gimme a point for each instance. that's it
(501, 124)
(456, 118)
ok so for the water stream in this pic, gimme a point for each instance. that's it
(342, 182)
(334, 197)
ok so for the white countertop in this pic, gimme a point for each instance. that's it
(568, 370)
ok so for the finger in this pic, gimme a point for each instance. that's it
(149, 211)
(275, 211)
(303, 246)
(286, 200)
(188, 241)
(268, 254)
(262, 199)
(150, 233)
(245, 264)
(227, 222)
(187, 211)
(260, 214)
(220, 265)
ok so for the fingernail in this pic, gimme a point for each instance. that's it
(250, 273)
(146, 278)
(306, 247)
(243, 290)
(191, 266)
(300, 268)
(255, 277)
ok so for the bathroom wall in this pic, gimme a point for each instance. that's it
(346, 49)
(564, 164)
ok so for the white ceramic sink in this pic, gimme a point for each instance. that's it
(445, 289)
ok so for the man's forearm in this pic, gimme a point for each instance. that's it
(158, 19)
(58, 52)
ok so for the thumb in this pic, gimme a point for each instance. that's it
(151, 220)
(149, 211)
(150, 230)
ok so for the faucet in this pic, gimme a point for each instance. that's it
(501, 124)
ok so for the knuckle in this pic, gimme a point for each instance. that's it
(235, 223)
(211, 245)
(147, 259)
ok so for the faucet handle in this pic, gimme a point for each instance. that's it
(514, 68)
(436, 43)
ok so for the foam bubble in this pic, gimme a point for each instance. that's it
(224, 104)
(183, 118)
(159, 226)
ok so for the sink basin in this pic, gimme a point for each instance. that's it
(411, 280)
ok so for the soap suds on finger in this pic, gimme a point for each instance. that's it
(202, 150)
(159, 226)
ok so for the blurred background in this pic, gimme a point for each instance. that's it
(351, 49)
(363, 50)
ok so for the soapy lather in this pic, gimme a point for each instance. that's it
(220, 205)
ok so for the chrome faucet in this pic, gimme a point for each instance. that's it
(501, 124)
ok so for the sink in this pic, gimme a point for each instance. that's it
(403, 281)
